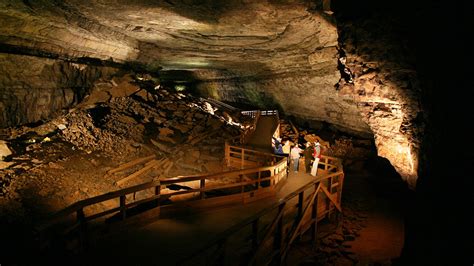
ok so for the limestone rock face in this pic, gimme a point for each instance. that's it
(306, 97)
(381, 77)
(271, 54)
(33, 88)
(56, 28)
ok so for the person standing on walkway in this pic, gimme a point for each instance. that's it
(295, 156)
(308, 156)
(277, 147)
(286, 150)
(287, 147)
(317, 156)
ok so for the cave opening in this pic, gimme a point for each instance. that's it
(144, 114)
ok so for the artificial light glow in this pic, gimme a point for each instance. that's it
(191, 62)
(180, 87)
(208, 108)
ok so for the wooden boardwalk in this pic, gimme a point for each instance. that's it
(168, 240)
(252, 220)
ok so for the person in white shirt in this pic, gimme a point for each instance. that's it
(295, 156)
(317, 156)
(287, 147)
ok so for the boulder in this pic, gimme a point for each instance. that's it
(4, 150)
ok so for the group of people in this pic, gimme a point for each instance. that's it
(311, 153)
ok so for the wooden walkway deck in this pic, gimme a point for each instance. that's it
(271, 208)
(168, 240)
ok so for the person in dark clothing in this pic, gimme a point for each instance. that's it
(308, 156)
(277, 147)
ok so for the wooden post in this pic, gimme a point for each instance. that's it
(278, 244)
(242, 154)
(123, 208)
(158, 193)
(339, 189)
(202, 186)
(300, 204)
(330, 184)
(227, 154)
(339, 196)
(259, 177)
(314, 217)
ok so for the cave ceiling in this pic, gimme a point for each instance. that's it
(239, 36)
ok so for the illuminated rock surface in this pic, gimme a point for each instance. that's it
(283, 54)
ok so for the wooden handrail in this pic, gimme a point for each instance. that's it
(122, 193)
(276, 170)
(281, 202)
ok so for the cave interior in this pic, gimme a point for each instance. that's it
(86, 86)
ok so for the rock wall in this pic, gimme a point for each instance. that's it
(33, 88)
(379, 71)
(274, 54)
(306, 97)
(58, 29)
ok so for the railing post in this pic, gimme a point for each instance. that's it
(259, 177)
(123, 207)
(300, 204)
(242, 154)
(158, 193)
(339, 189)
(226, 154)
(278, 244)
(202, 186)
(314, 217)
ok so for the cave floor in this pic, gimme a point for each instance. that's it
(371, 231)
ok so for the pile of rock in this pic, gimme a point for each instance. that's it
(82, 133)
(4, 152)
(335, 248)
(288, 131)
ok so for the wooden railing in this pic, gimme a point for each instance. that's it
(263, 239)
(255, 114)
(258, 181)
(249, 131)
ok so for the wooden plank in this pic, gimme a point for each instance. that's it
(131, 164)
(139, 172)
(135, 203)
(100, 214)
(294, 128)
(268, 233)
(329, 195)
(300, 222)
(258, 195)
(168, 168)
